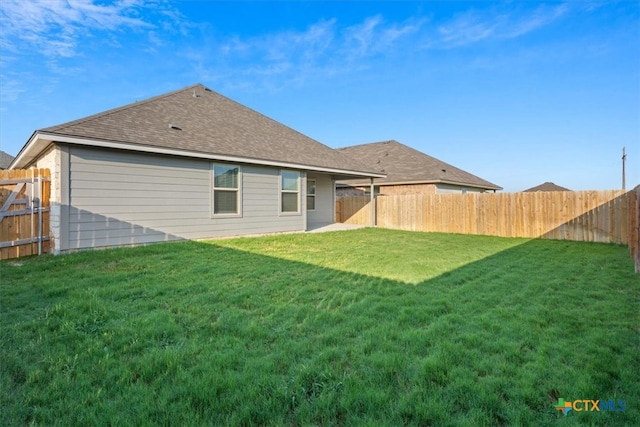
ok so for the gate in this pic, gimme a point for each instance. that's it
(24, 212)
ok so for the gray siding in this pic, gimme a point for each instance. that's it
(120, 198)
(325, 210)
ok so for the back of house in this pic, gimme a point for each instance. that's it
(190, 164)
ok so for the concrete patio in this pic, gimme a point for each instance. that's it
(334, 227)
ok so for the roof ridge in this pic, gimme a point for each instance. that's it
(436, 167)
(407, 147)
(448, 165)
(271, 119)
(546, 186)
(121, 108)
(267, 117)
(370, 143)
(214, 125)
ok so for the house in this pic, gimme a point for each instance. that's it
(409, 171)
(5, 160)
(189, 164)
(546, 186)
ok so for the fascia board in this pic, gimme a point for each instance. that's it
(42, 139)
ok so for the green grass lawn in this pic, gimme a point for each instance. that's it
(366, 327)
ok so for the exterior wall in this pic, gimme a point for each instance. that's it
(456, 189)
(325, 209)
(121, 198)
(396, 190)
(351, 191)
(388, 190)
(51, 160)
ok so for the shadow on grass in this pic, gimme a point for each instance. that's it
(196, 332)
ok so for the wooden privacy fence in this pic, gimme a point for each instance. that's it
(353, 210)
(24, 212)
(634, 226)
(592, 216)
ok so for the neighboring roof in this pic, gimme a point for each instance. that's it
(5, 160)
(404, 165)
(547, 186)
(200, 122)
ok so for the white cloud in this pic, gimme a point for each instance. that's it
(54, 27)
(542, 16)
(272, 60)
(284, 46)
(10, 88)
(375, 36)
(321, 50)
(395, 32)
(361, 38)
(58, 29)
(474, 26)
(326, 48)
(466, 29)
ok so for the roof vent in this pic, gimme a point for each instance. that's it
(195, 95)
(207, 89)
(175, 127)
(444, 170)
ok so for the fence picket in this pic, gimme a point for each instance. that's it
(594, 216)
(21, 222)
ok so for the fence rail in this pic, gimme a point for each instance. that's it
(24, 212)
(591, 216)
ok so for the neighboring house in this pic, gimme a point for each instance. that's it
(409, 172)
(547, 186)
(189, 164)
(5, 160)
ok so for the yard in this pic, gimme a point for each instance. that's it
(372, 326)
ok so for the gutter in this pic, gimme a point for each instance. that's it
(40, 140)
(439, 181)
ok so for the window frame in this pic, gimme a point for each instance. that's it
(282, 191)
(238, 191)
(315, 192)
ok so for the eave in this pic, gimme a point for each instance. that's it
(432, 181)
(39, 141)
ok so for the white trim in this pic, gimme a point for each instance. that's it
(238, 191)
(40, 137)
(344, 183)
(307, 195)
(298, 192)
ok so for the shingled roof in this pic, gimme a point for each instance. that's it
(404, 165)
(200, 122)
(5, 159)
(547, 186)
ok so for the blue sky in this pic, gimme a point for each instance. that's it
(517, 92)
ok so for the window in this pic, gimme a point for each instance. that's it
(311, 194)
(226, 189)
(289, 191)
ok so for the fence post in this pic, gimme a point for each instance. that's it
(31, 195)
(372, 208)
(634, 229)
(40, 194)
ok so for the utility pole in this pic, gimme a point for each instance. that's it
(624, 158)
